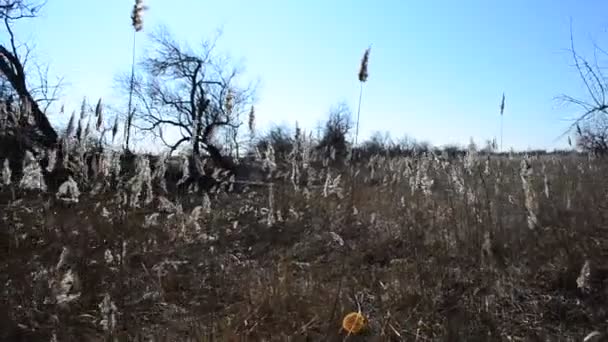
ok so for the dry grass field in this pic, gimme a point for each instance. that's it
(476, 248)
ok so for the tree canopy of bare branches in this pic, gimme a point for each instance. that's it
(337, 127)
(593, 136)
(590, 125)
(12, 68)
(19, 9)
(183, 97)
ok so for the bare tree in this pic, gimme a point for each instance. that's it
(185, 97)
(44, 92)
(379, 141)
(593, 136)
(337, 127)
(279, 139)
(590, 126)
(13, 71)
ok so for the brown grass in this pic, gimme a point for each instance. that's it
(453, 260)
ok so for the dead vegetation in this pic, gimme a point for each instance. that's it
(429, 248)
(282, 244)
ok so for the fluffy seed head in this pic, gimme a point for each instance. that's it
(115, 128)
(79, 131)
(71, 123)
(229, 104)
(363, 74)
(6, 172)
(87, 129)
(251, 119)
(83, 108)
(99, 114)
(137, 14)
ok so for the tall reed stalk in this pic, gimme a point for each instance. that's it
(502, 110)
(138, 24)
(363, 75)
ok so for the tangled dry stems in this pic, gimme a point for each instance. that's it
(430, 248)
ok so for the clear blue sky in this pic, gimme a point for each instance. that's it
(437, 68)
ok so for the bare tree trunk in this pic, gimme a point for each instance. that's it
(12, 68)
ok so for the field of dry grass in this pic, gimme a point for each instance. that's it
(479, 248)
(424, 244)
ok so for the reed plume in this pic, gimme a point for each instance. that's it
(138, 24)
(99, 114)
(71, 123)
(137, 15)
(6, 172)
(251, 123)
(229, 104)
(363, 75)
(115, 128)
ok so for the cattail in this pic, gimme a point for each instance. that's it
(137, 19)
(115, 128)
(79, 131)
(103, 165)
(159, 172)
(298, 133)
(206, 205)
(142, 180)
(108, 311)
(83, 108)
(270, 220)
(229, 104)
(87, 129)
(52, 159)
(32, 174)
(68, 191)
(327, 184)
(363, 74)
(115, 166)
(583, 281)
(99, 114)
(546, 182)
(71, 123)
(6, 172)
(530, 199)
(251, 120)
(185, 171)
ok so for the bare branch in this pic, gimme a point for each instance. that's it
(177, 144)
(183, 92)
(19, 9)
(11, 35)
(594, 82)
(577, 61)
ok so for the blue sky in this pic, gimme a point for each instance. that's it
(437, 68)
